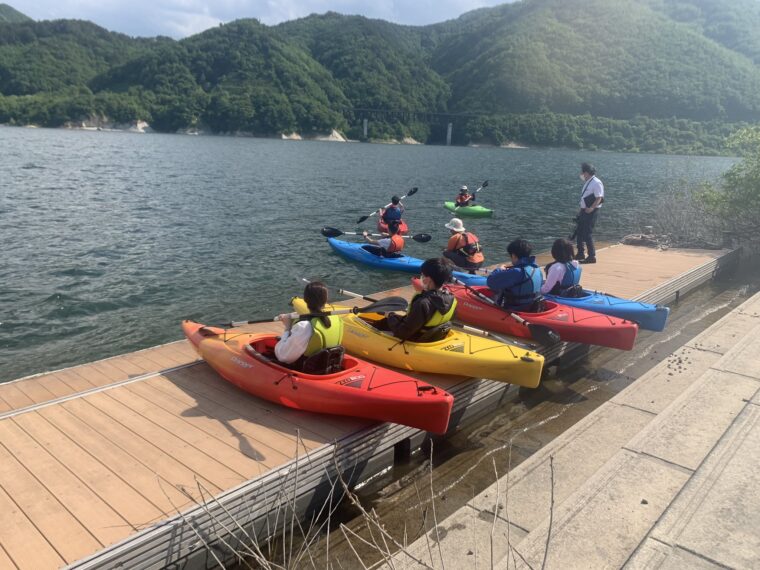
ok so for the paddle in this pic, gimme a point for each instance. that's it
(387, 305)
(505, 340)
(410, 193)
(327, 231)
(543, 334)
(466, 328)
(485, 183)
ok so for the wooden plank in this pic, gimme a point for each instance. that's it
(203, 380)
(4, 406)
(149, 439)
(280, 423)
(5, 560)
(158, 357)
(86, 506)
(103, 445)
(108, 372)
(35, 390)
(212, 420)
(129, 503)
(75, 381)
(54, 384)
(98, 375)
(15, 398)
(67, 535)
(126, 366)
(23, 542)
(173, 421)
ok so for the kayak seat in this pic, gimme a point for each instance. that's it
(326, 361)
(380, 252)
(433, 334)
(574, 292)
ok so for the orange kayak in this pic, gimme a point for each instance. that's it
(361, 389)
(382, 227)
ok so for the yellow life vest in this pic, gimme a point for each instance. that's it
(438, 318)
(323, 337)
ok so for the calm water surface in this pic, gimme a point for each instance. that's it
(109, 240)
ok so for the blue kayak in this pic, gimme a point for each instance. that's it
(359, 252)
(647, 316)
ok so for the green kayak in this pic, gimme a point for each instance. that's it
(472, 211)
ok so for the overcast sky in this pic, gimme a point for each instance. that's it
(180, 18)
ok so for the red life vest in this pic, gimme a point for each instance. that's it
(463, 199)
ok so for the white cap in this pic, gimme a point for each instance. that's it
(455, 225)
(464, 187)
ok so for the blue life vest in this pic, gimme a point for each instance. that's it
(569, 285)
(392, 214)
(526, 292)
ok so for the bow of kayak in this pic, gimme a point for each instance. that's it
(647, 316)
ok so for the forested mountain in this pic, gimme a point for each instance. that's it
(9, 14)
(662, 75)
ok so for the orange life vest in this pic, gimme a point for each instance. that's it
(471, 247)
(397, 244)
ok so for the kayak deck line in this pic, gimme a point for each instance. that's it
(136, 456)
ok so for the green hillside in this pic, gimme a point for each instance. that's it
(9, 14)
(658, 75)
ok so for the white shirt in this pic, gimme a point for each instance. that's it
(385, 243)
(555, 275)
(293, 343)
(592, 186)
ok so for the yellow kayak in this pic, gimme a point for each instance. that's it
(459, 353)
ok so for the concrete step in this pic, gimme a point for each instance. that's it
(614, 473)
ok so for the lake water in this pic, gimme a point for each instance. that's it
(110, 240)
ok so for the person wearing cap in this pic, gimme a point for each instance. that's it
(463, 248)
(592, 197)
(464, 198)
(386, 247)
(394, 212)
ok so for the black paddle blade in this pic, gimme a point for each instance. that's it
(543, 334)
(360, 220)
(422, 238)
(412, 192)
(386, 305)
(485, 183)
(327, 231)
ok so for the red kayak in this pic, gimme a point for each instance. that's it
(361, 389)
(403, 229)
(570, 323)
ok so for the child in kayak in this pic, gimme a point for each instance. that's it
(427, 318)
(563, 275)
(386, 247)
(312, 334)
(463, 248)
(464, 198)
(394, 212)
(518, 287)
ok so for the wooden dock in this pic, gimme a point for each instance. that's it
(150, 458)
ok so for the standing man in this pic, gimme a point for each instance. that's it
(592, 197)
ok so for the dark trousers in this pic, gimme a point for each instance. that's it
(586, 223)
